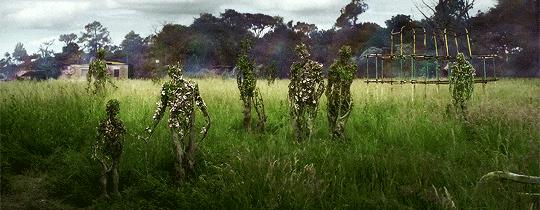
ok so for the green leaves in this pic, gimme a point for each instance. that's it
(340, 78)
(247, 83)
(305, 90)
(246, 76)
(98, 71)
(109, 142)
(461, 82)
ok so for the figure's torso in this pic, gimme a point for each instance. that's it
(181, 103)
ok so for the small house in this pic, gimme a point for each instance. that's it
(117, 70)
(32, 75)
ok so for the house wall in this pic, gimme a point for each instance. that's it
(80, 71)
(122, 70)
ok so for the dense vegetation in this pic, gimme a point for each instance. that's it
(212, 42)
(402, 150)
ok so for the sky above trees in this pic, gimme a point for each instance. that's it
(34, 22)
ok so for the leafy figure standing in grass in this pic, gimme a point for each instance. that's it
(271, 73)
(340, 78)
(461, 83)
(305, 90)
(249, 93)
(98, 71)
(181, 96)
(108, 146)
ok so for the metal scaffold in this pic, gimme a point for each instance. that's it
(426, 61)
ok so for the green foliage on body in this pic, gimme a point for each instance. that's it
(109, 142)
(181, 97)
(271, 73)
(305, 90)
(247, 84)
(461, 82)
(338, 92)
(109, 145)
(98, 72)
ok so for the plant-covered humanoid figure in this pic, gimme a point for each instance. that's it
(98, 71)
(181, 96)
(338, 92)
(271, 73)
(108, 146)
(305, 90)
(461, 82)
(247, 84)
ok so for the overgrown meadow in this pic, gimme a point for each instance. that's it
(404, 149)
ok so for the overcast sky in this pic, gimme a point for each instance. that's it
(33, 22)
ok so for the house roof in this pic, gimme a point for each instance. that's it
(107, 62)
(31, 73)
(114, 63)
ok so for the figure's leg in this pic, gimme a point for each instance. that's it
(97, 86)
(309, 122)
(297, 125)
(331, 115)
(247, 114)
(103, 181)
(190, 152)
(191, 148)
(302, 124)
(179, 153)
(259, 108)
(115, 175)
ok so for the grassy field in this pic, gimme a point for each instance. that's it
(403, 150)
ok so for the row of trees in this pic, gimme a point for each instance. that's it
(213, 42)
(79, 49)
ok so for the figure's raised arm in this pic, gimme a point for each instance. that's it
(320, 86)
(160, 110)
(238, 76)
(202, 106)
(109, 79)
(89, 75)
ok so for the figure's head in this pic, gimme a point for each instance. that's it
(175, 71)
(460, 58)
(345, 53)
(302, 51)
(245, 46)
(101, 53)
(113, 107)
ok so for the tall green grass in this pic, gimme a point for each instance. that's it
(403, 148)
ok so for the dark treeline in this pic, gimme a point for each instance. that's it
(212, 43)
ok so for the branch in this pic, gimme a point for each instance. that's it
(524, 179)
(423, 14)
(429, 7)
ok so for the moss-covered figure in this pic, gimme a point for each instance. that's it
(461, 82)
(98, 71)
(271, 73)
(249, 93)
(305, 90)
(181, 97)
(338, 92)
(108, 146)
